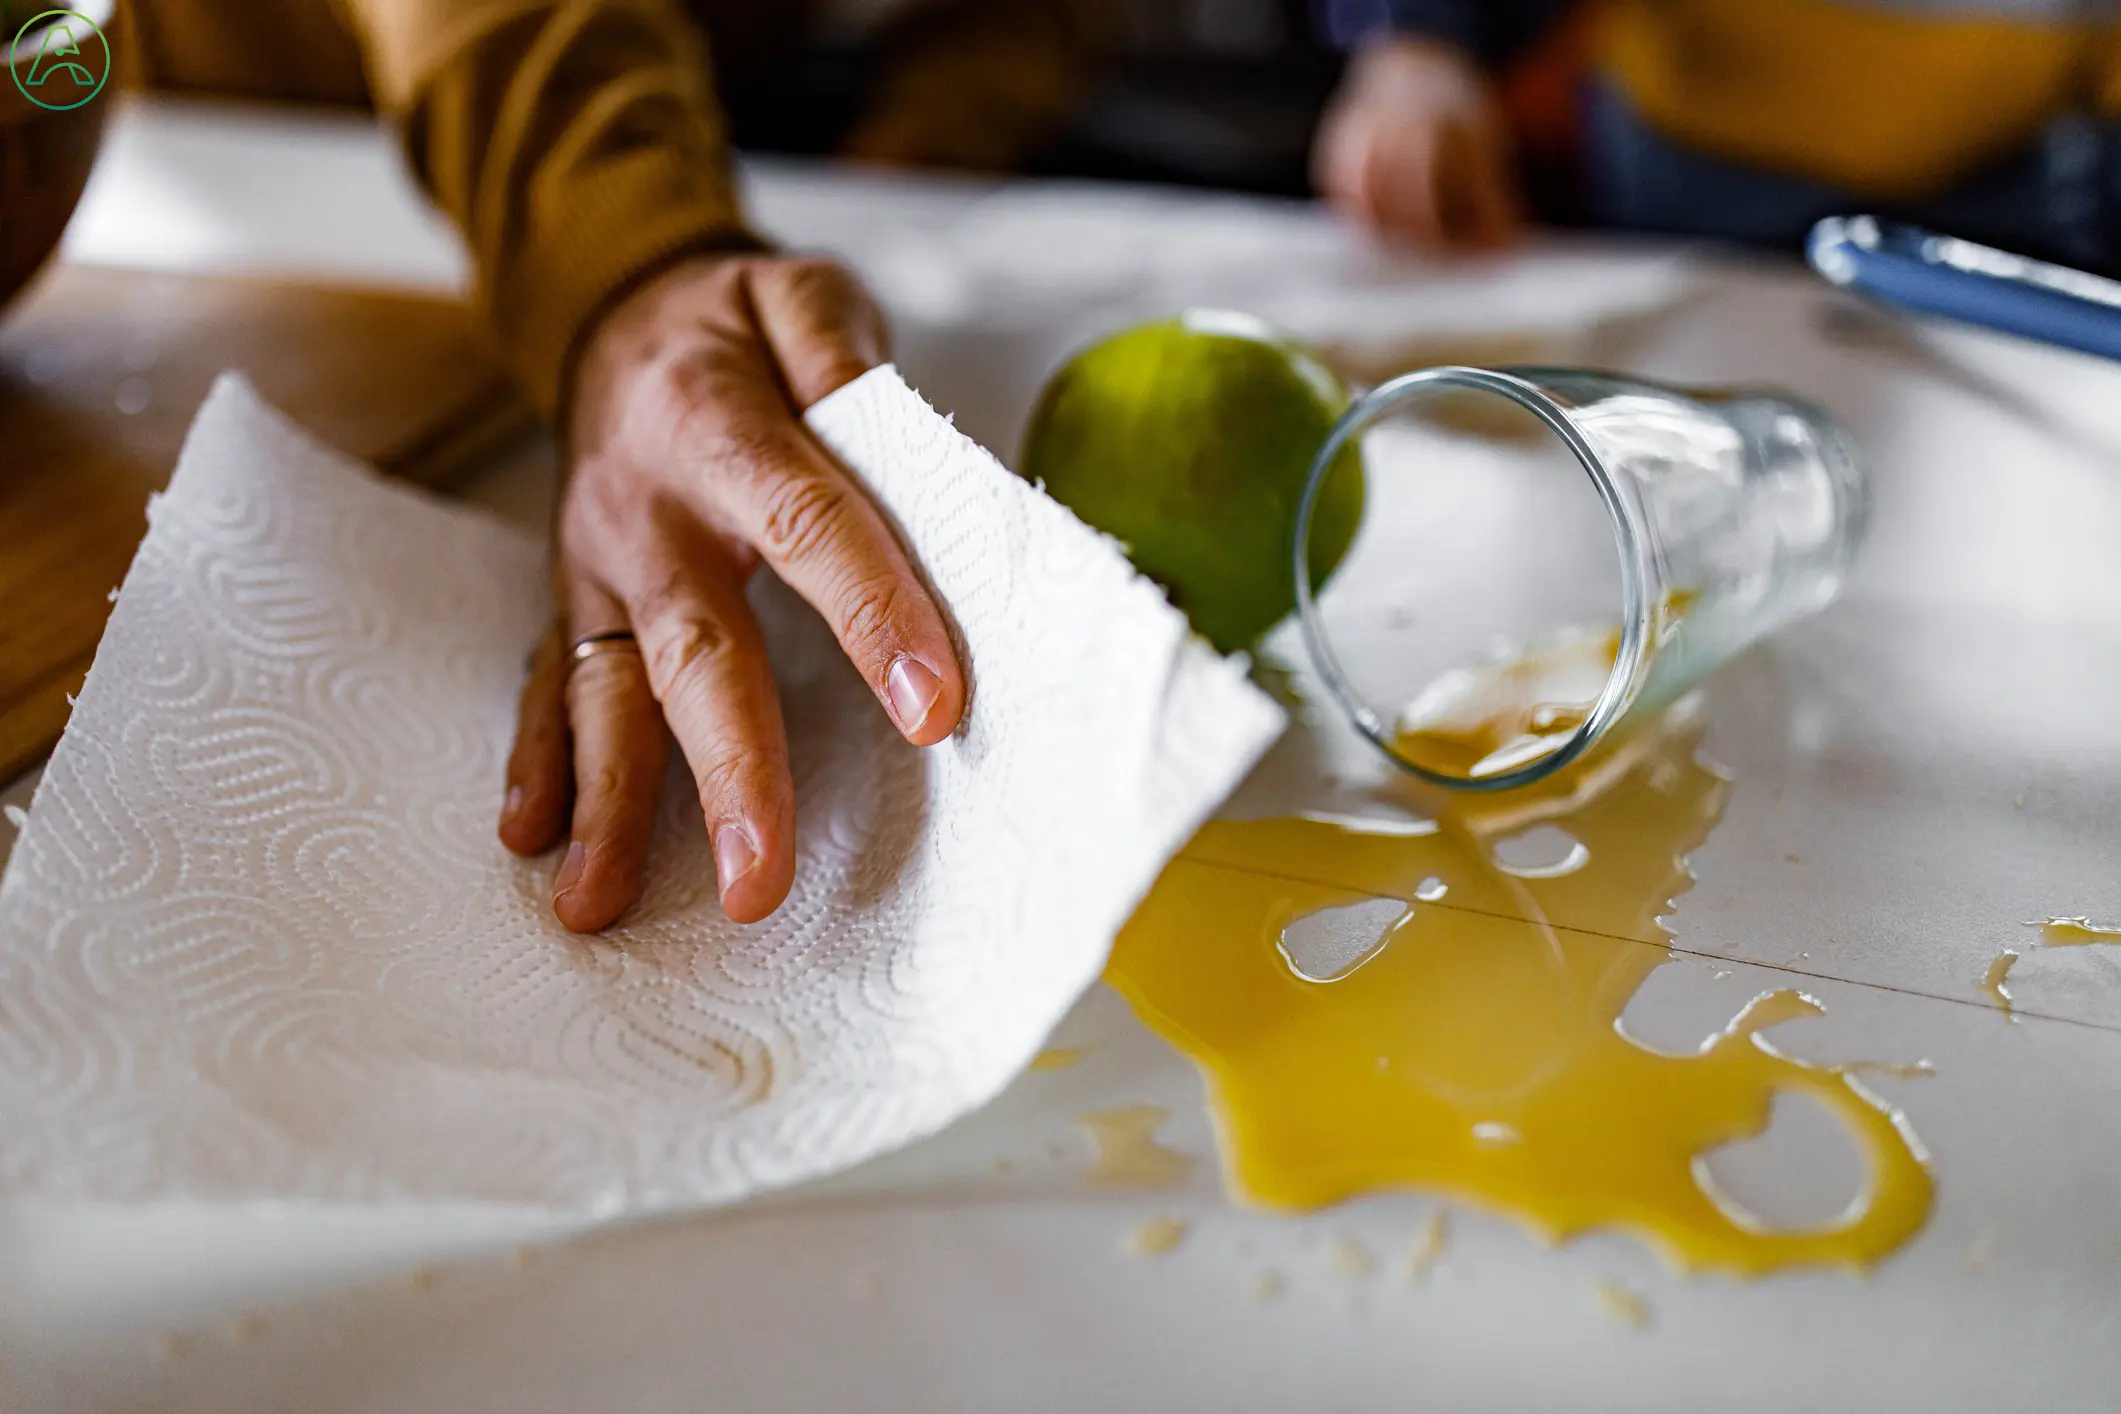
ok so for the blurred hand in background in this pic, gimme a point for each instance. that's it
(1415, 146)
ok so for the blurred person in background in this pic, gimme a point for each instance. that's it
(582, 147)
(1741, 119)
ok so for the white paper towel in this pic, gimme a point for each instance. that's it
(258, 939)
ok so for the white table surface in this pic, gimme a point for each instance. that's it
(1941, 751)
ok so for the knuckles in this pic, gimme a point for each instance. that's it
(603, 501)
(802, 518)
(683, 653)
(822, 284)
(725, 783)
(606, 785)
(602, 682)
(869, 617)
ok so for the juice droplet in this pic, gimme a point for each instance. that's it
(1266, 1286)
(1429, 1244)
(1351, 1259)
(1128, 1155)
(1622, 1306)
(2074, 933)
(1154, 1238)
(1992, 982)
(1494, 1006)
(1059, 1057)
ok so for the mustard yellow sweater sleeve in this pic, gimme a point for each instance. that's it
(576, 143)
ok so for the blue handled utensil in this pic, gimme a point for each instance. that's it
(1927, 273)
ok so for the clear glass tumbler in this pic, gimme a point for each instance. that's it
(1548, 552)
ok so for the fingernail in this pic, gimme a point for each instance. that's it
(913, 692)
(734, 854)
(513, 805)
(570, 870)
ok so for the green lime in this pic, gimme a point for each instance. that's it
(1188, 440)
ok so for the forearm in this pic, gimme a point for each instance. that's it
(576, 144)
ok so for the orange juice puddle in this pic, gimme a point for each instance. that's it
(2077, 932)
(1475, 1048)
(2074, 933)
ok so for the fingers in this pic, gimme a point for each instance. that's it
(705, 662)
(619, 752)
(690, 464)
(1476, 198)
(1433, 180)
(1402, 192)
(776, 490)
(820, 323)
(1343, 158)
(822, 536)
(534, 810)
(1380, 166)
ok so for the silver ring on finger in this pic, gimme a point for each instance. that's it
(592, 645)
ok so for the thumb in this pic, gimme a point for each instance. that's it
(820, 323)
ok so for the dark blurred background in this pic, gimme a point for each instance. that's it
(1198, 92)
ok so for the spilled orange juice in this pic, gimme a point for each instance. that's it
(1474, 1048)
(1486, 720)
(2074, 932)
(2057, 932)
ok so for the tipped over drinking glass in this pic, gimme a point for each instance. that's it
(1550, 553)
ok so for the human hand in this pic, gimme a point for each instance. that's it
(690, 468)
(1414, 145)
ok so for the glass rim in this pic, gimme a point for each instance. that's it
(1631, 539)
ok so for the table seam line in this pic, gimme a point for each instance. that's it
(1669, 946)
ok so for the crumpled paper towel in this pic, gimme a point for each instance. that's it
(258, 939)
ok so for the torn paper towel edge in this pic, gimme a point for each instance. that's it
(1207, 726)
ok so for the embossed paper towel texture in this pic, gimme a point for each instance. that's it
(257, 938)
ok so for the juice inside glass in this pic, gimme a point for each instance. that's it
(1547, 552)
